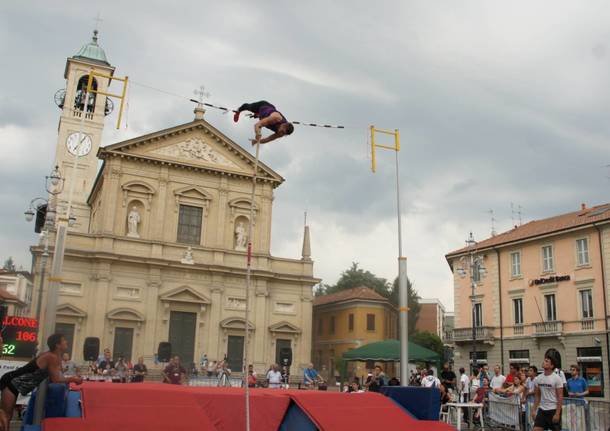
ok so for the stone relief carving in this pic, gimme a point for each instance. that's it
(195, 149)
(133, 219)
(284, 307)
(236, 303)
(188, 257)
(128, 292)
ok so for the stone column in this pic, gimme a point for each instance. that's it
(152, 315)
(259, 301)
(215, 316)
(98, 304)
(265, 224)
(159, 210)
(111, 192)
(222, 221)
(306, 326)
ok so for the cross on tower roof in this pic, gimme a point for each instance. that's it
(97, 20)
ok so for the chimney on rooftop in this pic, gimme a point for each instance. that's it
(583, 206)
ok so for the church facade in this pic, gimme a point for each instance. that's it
(158, 250)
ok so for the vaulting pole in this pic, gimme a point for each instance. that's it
(248, 281)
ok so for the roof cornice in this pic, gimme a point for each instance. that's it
(532, 238)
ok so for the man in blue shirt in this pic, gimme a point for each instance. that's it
(577, 386)
(310, 376)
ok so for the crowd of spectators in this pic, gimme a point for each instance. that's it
(107, 368)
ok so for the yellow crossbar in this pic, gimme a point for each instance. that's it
(121, 97)
(396, 146)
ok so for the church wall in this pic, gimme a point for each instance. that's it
(105, 286)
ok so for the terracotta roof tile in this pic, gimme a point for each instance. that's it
(362, 292)
(545, 226)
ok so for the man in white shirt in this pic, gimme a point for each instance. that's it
(497, 381)
(430, 381)
(274, 377)
(548, 396)
(463, 385)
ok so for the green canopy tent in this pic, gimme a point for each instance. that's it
(389, 351)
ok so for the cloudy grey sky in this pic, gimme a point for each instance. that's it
(496, 101)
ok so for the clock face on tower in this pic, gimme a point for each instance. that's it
(77, 148)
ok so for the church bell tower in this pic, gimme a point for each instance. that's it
(71, 101)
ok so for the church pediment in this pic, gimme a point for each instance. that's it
(126, 314)
(196, 144)
(284, 327)
(185, 294)
(193, 192)
(235, 323)
(69, 310)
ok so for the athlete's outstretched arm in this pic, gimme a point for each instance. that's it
(269, 138)
(267, 121)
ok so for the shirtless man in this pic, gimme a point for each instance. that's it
(268, 117)
(23, 380)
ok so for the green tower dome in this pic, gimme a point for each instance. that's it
(92, 51)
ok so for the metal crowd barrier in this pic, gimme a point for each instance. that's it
(234, 382)
(599, 415)
(505, 412)
(577, 414)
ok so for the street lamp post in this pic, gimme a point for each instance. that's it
(54, 184)
(476, 270)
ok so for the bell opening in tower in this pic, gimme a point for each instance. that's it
(81, 94)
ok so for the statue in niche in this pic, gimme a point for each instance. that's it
(133, 220)
(241, 237)
(188, 257)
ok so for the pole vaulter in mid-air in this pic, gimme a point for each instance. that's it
(269, 117)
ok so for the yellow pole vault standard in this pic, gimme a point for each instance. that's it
(374, 145)
(121, 96)
(402, 261)
(248, 282)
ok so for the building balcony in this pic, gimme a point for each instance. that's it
(518, 329)
(483, 333)
(548, 329)
(587, 324)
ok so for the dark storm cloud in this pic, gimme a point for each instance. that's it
(496, 103)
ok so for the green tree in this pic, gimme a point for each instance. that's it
(429, 340)
(9, 264)
(356, 277)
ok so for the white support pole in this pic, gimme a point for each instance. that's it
(248, 281)
(403, 295)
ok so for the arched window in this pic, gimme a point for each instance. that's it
(81, 94)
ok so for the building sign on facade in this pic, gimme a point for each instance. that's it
(551, 279)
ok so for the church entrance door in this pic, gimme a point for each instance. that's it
(123, 343)
(235, 353)
(182, 336)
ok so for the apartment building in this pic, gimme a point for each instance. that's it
(431, 316)
(545, 285)
(349, 319)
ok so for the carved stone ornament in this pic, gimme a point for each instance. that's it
(195, 149)
(187, 259)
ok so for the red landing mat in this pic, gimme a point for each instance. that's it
(359, 411)
(151, 407)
